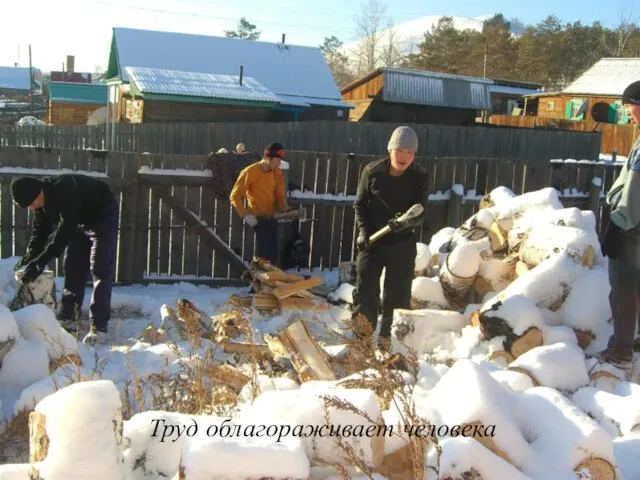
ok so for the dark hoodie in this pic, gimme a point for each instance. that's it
(70, 200)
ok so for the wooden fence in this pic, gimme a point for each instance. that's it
(618, 138)
(161, 240)
(367, 138)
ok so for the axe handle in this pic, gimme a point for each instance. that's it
(379, 234)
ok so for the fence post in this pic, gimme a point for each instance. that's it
(594, 199)
(454, 207)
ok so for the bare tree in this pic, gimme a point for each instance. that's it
(625, 27)
(368, 27)
(390, 54)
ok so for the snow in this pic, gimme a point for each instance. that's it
(560, 366)
(416, 329)
(464, 261)
(616, 413)
(175, 171)
(26, 363)
(428, 289)
(8, 327)
(423, 256)
(518, 311)
(49, 171)
(38, 323)
(90, 450)
(227, 458)
(16, 471)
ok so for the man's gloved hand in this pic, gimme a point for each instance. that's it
(22, 262)
(32, 272)
(611, 240)
(395, 226)
(362, 242)
(251, 220)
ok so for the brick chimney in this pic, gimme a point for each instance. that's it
(70, 63)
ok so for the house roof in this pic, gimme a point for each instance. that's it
(608, 76)
(205, 85)
(68, 92)
(422, 87)
(282, 69)
(14, 78)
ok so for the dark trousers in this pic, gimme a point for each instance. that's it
(399, 261)
(624, 298)
(91, 249)
(267, 239)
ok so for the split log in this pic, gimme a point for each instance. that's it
(292, 303)
(265, 302)
(293, 288)
(194, 319)
(245, 348)
(498, 238)
(584, 338)
(522, 268)
(399, 465)
(230, 376)
(507, 356)
(230, 324)
(281, 276)
(482, 286)
(171, 324)
(486, 441)
(588, 257)
(459, 273)
(310, 361)
(240, 300)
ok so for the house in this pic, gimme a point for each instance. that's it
(403, 95)
(176, 77)
(69, 75)
(77, 103)
(596, 95)
(14, 82)
(507, 95)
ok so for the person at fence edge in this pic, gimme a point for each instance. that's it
(621, 243)
(387, 188)
(262, 184)
(85, 215)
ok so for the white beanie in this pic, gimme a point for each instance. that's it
(403, 138)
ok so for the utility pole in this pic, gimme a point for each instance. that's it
(486, 51)
(30, 81)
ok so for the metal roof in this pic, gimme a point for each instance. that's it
(14, 78)
(419, 87)
(68, 92)
(513, 90)
(609, 76)
(282, 69)
(208, 85)
(307, 101)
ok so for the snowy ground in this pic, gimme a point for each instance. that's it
(542, 431)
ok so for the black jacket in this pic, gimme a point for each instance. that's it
(382, 196)
(70, 200)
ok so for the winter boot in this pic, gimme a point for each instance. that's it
(95, 336)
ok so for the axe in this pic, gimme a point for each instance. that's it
(413, 212)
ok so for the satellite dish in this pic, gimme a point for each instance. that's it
(600, 112)
(98, 117)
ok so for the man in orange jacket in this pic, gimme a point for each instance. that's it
(262, 184)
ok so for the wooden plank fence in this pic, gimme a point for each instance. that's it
(615, 138)
(369, 138)
(157, 244)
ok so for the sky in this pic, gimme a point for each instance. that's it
(82, 28)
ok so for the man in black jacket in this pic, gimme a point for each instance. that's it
(85, 213)
(387, 189)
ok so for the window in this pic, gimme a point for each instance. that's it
(551, 105)
(66, 114)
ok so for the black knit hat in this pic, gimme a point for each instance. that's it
(24, 190)
(631, 94)
(272, 150)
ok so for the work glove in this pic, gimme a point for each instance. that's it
(396, 226)
(611, 240)
(22, 262)
(251, 220)
(32, 272)
(362, 242)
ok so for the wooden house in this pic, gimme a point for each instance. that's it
(596, 95)
(508, 95)
(175, 77)
(77, 103)
(402, 95)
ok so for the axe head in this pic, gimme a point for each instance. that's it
(413, 212)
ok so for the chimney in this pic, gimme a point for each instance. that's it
(70, 63)
(241, 69)
(283, 35)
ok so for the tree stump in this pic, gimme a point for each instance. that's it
(42, 290)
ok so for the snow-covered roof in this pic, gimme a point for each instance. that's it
(14, 78)
(609, 76)
(208, 85)
(283, 69)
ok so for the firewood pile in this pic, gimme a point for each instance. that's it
(275, 290)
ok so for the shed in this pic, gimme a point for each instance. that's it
(297, 76)
(77, 103)
(507, 95)
(417, 96)
(14, 81)
(596, 95)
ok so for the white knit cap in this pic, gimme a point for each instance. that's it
(403, 138)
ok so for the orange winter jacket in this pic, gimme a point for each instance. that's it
(264, 191)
